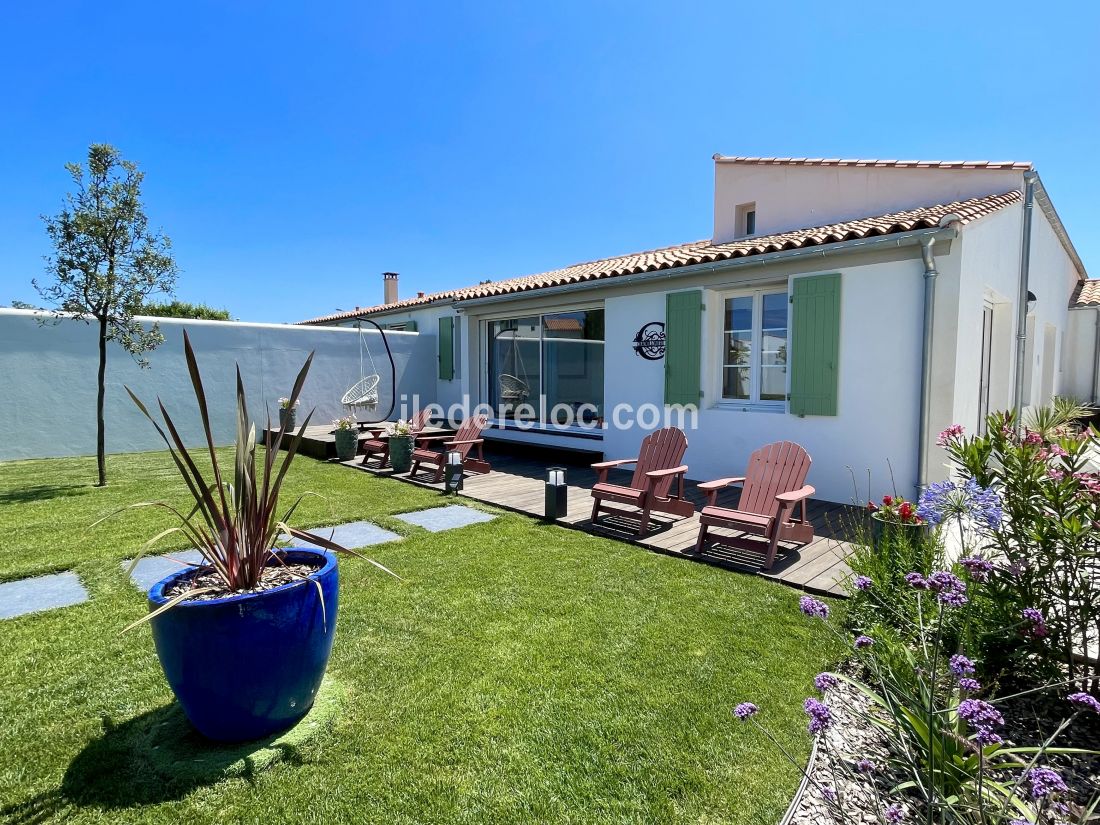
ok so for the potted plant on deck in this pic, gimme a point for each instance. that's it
(288, 412)
(401, 446)
(244, 638)
(896, 518)
(346, 432)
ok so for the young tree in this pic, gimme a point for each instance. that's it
(106, 262)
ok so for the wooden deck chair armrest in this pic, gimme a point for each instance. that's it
(657, 475)
(796, 495)
(718, 484)
(711, 488)
(601, 467)
(654, 477)
(432, 437)
(607, 465)
(465, 441)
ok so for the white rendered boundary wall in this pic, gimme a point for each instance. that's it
(48, 379)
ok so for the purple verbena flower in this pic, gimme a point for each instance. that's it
(820, 715)
(960, 665)
(863, 642)
(916, 581)
(744, 710)
(894, 813)
(1044, 782)
(979, 714)
(968, 685)
(952, 598)
(977, 568)
(828, 793)
(950, 589)
(987, 736)
(865, 766)
(1037, 626)
(944, 580)
(825, 681)
(813, 607)
(863, 583)
(1086, 701)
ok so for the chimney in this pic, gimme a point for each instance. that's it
(389, 287)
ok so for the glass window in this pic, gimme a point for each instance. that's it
(754, 342)
(548, 368)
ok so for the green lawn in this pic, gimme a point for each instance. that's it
(519, 672)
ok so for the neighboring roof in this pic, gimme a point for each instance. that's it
(1022, 166)
(701, 252)
(1087, 294)
(563, 324)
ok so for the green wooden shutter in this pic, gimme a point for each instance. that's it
(815, 344)
(411, 325)
(446, 348)
(683, 346)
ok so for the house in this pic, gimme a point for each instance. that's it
(857, 307)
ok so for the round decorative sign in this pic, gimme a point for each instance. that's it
(650, 341)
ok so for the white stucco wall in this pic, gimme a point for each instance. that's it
(1080, 363)
(878, 394)
(48, 374)
(793, 197)
(990, 270)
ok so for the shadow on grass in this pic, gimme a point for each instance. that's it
(42, 492)
(158, 757)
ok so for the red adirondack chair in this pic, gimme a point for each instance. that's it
(467, 437)
(381, 446)
(656, 466)
(773, 485)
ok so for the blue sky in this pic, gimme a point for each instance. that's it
(294, 151)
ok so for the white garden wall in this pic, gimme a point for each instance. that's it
(48, 379)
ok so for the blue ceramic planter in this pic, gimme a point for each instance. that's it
(247, 666)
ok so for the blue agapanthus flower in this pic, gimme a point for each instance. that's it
(946, 500)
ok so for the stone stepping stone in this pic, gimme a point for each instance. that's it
(40, 593)
(151, 569)
(438, 519)
(353, 535)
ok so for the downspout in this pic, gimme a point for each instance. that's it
(1095, 356)
(930, 275)
(1021, 298)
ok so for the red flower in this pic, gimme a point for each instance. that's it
(887, 500)
(905, 511)
(871, 506)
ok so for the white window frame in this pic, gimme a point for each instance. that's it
(753, 402)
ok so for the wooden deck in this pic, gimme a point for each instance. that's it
(517, 483)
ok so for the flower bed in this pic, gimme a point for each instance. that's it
(969, 701)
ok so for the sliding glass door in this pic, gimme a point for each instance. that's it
(548, 368)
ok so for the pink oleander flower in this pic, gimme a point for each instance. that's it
(950, 435)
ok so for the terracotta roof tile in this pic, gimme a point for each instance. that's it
(1022, 166)
(1087, 294)
(705, 252)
